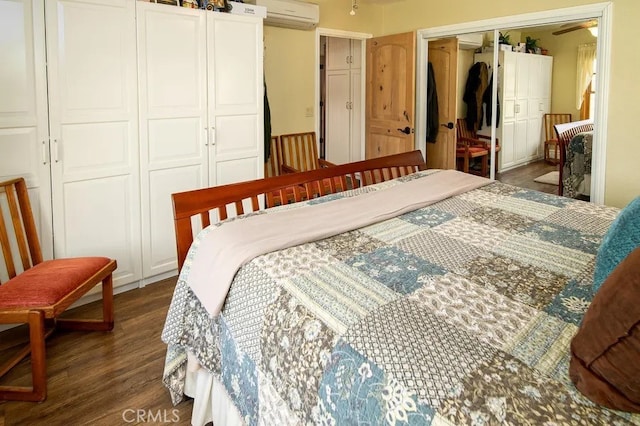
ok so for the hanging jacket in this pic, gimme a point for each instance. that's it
(267, 125)
(433, 115)
(486, 100)
(477, 82)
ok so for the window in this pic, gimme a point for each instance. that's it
(589, 97)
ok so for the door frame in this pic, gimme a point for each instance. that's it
(327, 32)
(600, 11)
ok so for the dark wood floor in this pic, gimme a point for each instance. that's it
(102, 378)
(523, 177)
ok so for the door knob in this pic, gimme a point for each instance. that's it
(406, 130)
(449, 125)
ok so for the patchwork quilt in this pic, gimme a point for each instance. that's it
(577, 164)
(458, 313)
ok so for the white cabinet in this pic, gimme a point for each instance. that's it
(343, 100)
(524, 90)
(201, 88)
(109, 106)
(93, 122)
(24, 132)
(69, 124)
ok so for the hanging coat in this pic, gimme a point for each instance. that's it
(433, 118)
(486, 100)
(267, 126)
(477, 82)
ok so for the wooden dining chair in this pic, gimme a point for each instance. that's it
(300, 153)
(274, 162)
(550, 137)
(470, 145)
(35, 291)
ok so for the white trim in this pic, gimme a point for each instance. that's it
(600, 11)
(326, 32)
(601, 124)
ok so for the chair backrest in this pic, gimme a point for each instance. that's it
(462, 131)
(18, 234)
(272, 165)
(550, 120)
(299, 150)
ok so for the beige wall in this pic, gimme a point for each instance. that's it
(290, 61)
(623, 175)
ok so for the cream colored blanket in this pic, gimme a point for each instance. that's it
(222, 250)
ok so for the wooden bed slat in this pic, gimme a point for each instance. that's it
(283, 189)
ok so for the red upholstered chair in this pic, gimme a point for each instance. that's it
(38, 291)
(471, 145)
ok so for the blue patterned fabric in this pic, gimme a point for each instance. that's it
(621, 239)
(460, 313)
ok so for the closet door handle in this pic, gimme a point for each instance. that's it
(206, 136)
(44, 152)
(213, 136)
(55, 151)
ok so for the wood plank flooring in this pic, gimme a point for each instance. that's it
(102, 378)
(523, 177)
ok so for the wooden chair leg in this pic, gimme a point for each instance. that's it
(485, 165)
(107, 321)
(465, 164)
(38, 391)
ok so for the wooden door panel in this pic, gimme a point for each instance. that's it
(443, 55)
(390, 95)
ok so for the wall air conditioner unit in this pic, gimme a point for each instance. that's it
(290, 13)
(469, 41)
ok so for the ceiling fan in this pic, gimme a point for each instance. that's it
(576, 26)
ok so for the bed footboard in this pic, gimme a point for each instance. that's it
(219, 202)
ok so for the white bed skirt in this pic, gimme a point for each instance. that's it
(211, 402)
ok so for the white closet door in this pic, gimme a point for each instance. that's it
(357, 147)
(236, 88)
(24, 134)
(356, 54)
(94, 130)
(338, 131)
(338, 53)
(173, 131)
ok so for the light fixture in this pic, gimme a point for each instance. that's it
(354, 7)
(593, 31)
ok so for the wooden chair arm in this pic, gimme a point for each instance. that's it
(288, 169)
(325, 163)
(473, 142)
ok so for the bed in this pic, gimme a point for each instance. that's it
(576, 140)
(457, 308)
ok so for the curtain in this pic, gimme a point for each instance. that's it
(586, 58)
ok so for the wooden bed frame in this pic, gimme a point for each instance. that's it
(247, 196)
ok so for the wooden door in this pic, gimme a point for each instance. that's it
(443, 55)
(390, 105)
